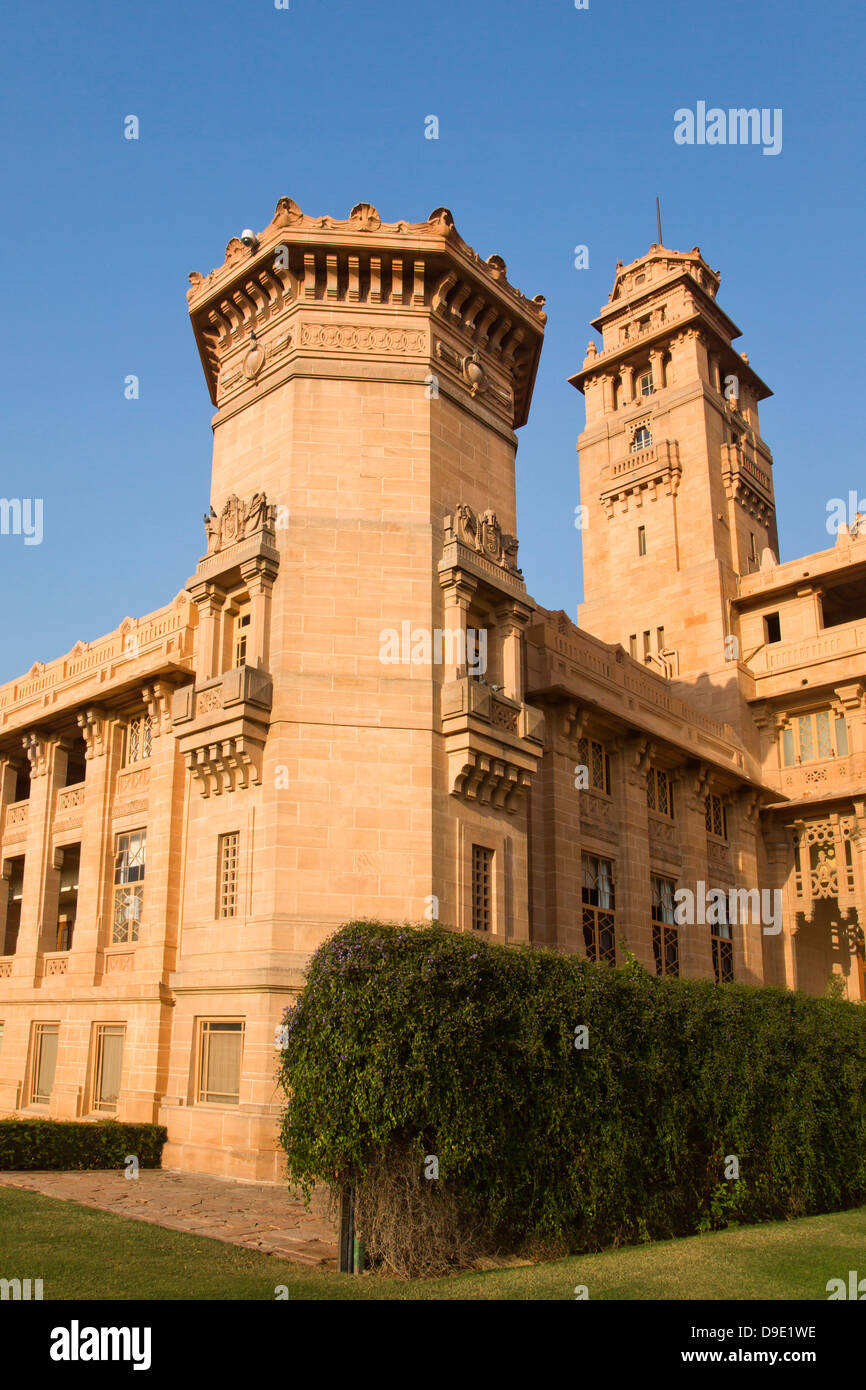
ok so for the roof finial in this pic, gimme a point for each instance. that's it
(659, 221)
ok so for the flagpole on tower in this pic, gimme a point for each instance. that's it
(659, 221)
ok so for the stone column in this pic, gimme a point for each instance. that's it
(93, 915)
(511, 619)
(657, 364)
(47, 773)
(8, 782)
(696, 953)
(743, 836)
(210, 600)
(633, 892)
(627, 377)
(458, 590)
(777, 843)
(258, 576)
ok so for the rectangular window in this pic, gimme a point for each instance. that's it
(482, 888)
(660, 640)
(220, 1050)
(645, 384)
(641, 540)
(137, 740)
(129, 867)
(716, 817)
(229, 846)
(723, 952)
(45, 1037)
(753, 554)
(592, 756)
(665, 935)
(67, 906)
(599, 909)
(772, 628)
(241, 633)
(646, 646)
(632, 646)
(814, 737)
(107, 1065)
(13, 909)
(660, 792)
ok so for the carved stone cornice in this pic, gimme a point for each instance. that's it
(475, 543)
(488, 780)
(241, 536)
(36, 744)
(640, 753)
(157, 697)
(229, 765)
(243, 311)
(91, 722)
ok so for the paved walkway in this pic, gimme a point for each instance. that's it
(261, 1216)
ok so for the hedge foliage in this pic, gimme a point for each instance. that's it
(69, 1144)
(467, 1051)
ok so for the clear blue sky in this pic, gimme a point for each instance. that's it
(556, 128)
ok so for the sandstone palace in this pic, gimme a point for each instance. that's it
(354, 708)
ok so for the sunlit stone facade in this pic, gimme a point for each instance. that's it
(353, 708)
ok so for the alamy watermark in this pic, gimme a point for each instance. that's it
(715, 907)
(737, 126)
(22, 516)
(421, 647)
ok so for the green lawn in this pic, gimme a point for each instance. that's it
(81, 1253)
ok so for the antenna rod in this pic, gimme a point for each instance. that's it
(659, 220)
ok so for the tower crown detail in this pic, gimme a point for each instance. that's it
(659, 295)
(364, 271)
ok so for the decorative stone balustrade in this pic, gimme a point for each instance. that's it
(15, 823)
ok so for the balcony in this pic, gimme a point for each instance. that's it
(828, 646)
(821, 781)
(493, 743)
(69, 807)
(647, 471)
(222, 726)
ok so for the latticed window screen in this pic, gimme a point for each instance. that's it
(666, 949)
(139, 732)
(229, 847)
(45, 1036)
(659, 792)
(592, 756)
(129, 867)
(815, 737)
(599, 909)
(716, 816)
(220, 1064)
(723, 952)
(482, 888)
(107, 1066)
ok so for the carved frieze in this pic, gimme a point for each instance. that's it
(238, 521)
(482, 532)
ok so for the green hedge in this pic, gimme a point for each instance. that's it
(467, 1051)
(56, 1144)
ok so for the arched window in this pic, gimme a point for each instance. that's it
(642, 439)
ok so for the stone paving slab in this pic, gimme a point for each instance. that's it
(259, 1216)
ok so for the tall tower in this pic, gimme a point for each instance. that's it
(355, 749)
(676, 481)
